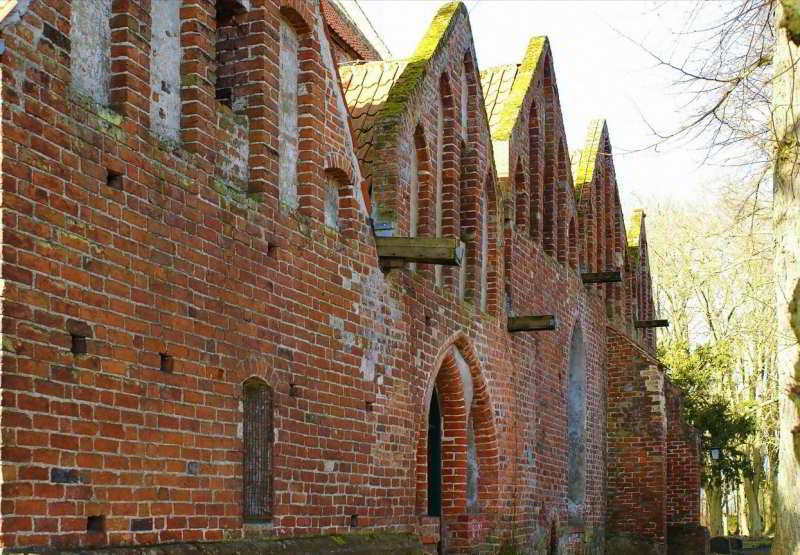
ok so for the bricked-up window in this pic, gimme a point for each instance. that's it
(484, 252)
(165, 69)
(462, 271)
(576, 425)
(473, 469)
(464, 97)
(331, 206)
(534, 175)
(413, 188)
(288, 114)
(257, 431)
(437, 212)
(90, 48)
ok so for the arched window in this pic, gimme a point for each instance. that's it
(288, 114)
(576, 425)
(257, 460)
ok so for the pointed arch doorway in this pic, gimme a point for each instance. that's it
(456, 426)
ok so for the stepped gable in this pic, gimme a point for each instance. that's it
(383, 97)
(639, 284)
(531, 153)
(511, 84)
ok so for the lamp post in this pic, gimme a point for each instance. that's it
(716, 453)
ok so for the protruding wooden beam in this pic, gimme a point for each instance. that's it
(651, 324)
(394, 251)
(532, 323)
(601, 277)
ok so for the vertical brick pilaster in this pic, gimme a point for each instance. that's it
(130, 59)
(310, 122)
(198, 113)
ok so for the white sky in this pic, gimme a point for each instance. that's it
(600, 73)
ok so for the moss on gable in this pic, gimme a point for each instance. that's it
(635, 229)
(513, 104)
(588, 162)
(414, 73)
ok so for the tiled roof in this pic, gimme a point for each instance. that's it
(366, 89)
(348, 31)
(497, 83)
(377, 92)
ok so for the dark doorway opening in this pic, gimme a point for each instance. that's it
(434, 457)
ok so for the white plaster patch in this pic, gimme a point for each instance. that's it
(90, 54)
(288, 114)
(165, 70)
(331, 206)
(466, 379)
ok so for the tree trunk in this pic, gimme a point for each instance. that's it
(770, 494)
(751, 487)
(742, 516)
(786, 219)
(752, 521)
(714, 510)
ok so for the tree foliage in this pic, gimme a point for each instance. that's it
(693, 370)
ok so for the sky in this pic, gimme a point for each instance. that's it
(602, 71)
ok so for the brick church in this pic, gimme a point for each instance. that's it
(267, 291)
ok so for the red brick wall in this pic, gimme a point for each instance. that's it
(637, 457)
(684, 464)
(231, 285)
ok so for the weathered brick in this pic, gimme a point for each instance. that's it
(195, 257)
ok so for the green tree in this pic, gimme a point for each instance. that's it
(714, 415)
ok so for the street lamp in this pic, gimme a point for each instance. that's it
(716, 453)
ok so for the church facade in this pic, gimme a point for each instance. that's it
(266, 290)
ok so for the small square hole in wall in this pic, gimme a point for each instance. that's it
(79, 345)
(167, 363)
(368, 406)
(353, 521)
(114, 179)
(294, 390)
(272, 251)
(96, 524)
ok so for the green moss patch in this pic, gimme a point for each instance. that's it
(522, 82)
